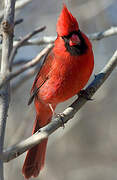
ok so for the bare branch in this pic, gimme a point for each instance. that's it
(104, 34)
(21, 62)
(68, 113)
(18, 21)
(26, 66)
(25, 76)
(19, 4)
(7, 28)
(32, 63)
(39, 41)
(22, 41)
(36, 41)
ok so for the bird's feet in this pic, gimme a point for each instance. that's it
(83, 93)
(61, 118)
(53, 111)
(60, 115)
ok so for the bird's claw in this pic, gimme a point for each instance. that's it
(61, 118)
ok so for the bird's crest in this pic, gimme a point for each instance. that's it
(67, 23)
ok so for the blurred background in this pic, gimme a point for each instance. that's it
(87, 148)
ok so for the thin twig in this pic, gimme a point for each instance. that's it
(104, 34)
(19, 4)
(26, 66)
(16, 150)
(22, 41)
(17, 22)
(21, 62)
(32, 63)
(40, 41)
(25, 76)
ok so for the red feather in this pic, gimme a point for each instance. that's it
(66, 23)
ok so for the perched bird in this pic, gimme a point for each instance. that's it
(65, 71)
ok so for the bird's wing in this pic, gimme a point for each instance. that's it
(42, 75)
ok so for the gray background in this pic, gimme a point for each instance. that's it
(85, 150)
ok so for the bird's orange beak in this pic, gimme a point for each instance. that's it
(74, 40)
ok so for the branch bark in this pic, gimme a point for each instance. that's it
(21, 42)
(68, 113)
(19, 4)
(17, 22)
(7, 27)
(104, 34)
(25, 76)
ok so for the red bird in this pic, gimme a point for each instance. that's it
(66, 70)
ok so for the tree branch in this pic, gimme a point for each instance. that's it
(68, 113)
(19, 4)
(7, 27)
(39, 41)
(104, 34)
(22, 41)
(25, 76)
(17, 22)
(21, 62)
(26, 66)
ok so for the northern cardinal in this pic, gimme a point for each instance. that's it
(66, 70)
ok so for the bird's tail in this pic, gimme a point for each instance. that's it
(35, 158)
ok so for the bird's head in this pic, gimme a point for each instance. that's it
(67, 23)
(68, 30)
